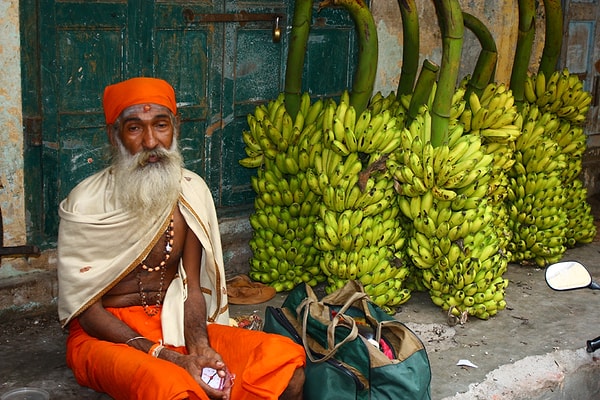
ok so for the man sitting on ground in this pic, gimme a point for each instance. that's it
(141, 278)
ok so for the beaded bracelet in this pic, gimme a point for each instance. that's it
(155, 349)
(134, 338)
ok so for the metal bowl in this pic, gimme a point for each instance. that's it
(26, 393)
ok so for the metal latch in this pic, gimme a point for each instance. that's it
(242, 18)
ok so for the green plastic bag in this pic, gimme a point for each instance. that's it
(354, 349)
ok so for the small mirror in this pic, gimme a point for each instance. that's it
(568, 275)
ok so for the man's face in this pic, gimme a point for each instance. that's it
(147, 163)
(146, 127)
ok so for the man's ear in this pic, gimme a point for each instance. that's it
(111, 135)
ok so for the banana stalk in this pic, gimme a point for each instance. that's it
(297, 50)
(450, 19)
(366, 69)
(484, 70)
(410, 35)
(423, 89)
(553, 39)
(525, 39)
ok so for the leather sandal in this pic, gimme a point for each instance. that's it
(242, 290)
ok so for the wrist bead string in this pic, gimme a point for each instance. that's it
(162, 266)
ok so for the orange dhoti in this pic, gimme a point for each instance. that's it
(263, 363)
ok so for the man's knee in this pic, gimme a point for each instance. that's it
(295, 387)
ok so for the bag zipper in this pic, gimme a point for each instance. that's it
(282, 319)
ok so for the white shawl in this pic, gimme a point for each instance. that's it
(99, 243)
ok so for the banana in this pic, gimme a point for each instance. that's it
(339, 147)
(474, 103)
(338, 129)
(350, 118)
(342, 107)
(313, 112)
(252, 162)
(416, 165)
(529, 89)
(443, 194)
(540, 84)
(440, 157)
(362, 123)
(478, 119)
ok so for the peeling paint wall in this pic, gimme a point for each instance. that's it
(501, 18)
(11, 134)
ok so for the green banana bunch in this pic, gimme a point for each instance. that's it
(561, 94)
(537, 218)
(283, 250)
(571, 140)
(358, 233)
(396, 106)
(580, 227)
(494, 116)
(272, 132)
(535, 197)
(547, 165)
(466, 272)
(442, 192)
(286, 208)
(450, 171)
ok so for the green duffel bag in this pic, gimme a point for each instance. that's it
(354, 349)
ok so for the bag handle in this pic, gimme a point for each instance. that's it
(332, 348)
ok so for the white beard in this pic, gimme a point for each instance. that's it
(143, 188)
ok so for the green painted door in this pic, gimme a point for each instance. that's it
(220, 57)
(581, 55)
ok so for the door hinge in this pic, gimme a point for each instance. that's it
(32, 130)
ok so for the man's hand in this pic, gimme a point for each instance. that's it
(195, 363)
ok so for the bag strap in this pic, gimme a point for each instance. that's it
(380, 326)
(332, 347)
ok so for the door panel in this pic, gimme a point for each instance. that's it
(322, 74)
(82, 51)
(581, 52)
(255, 76)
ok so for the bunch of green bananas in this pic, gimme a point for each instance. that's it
(562, 94)
(496, 118)
(571, 138)
(492, 115)
(443, 193)
(358, 232)
(535, 196)
(581, 227)
(551, 149)
(285, 209)
(282, 243)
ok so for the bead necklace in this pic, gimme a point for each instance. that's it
(169, 235)
(162, 266)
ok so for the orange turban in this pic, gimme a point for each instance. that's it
(135, 91)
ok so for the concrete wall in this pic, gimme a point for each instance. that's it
(501, 17)
(236, 232)
(11, 134)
